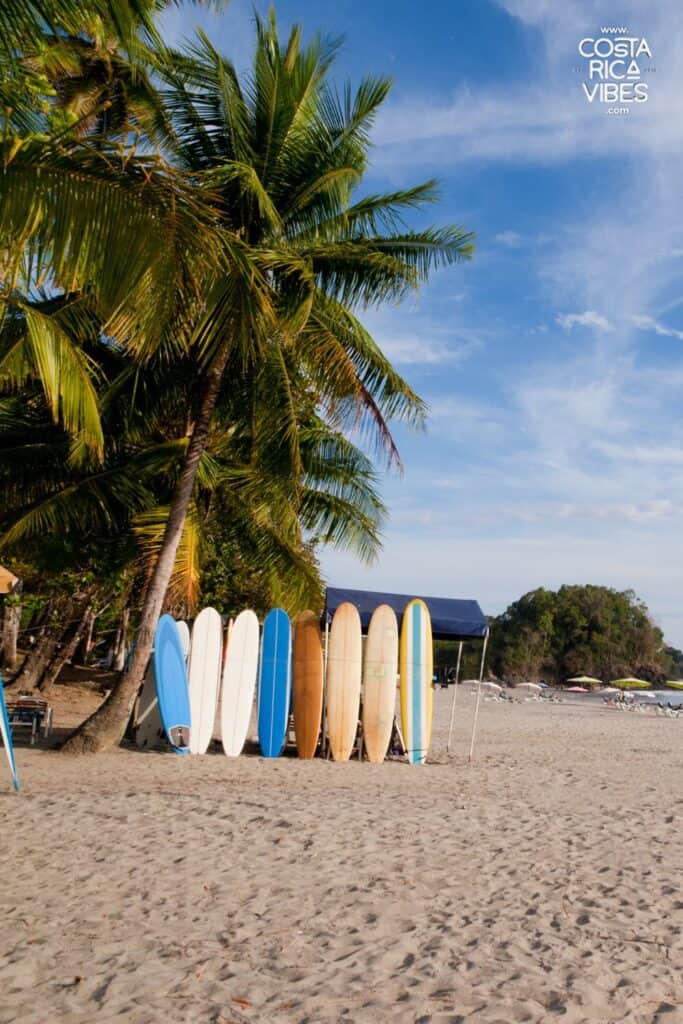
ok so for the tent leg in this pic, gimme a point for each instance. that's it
(323, 737)
(476, 708)
(455, 694)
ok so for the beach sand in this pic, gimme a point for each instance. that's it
(541, 883)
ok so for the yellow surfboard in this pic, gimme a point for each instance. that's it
(417, 666)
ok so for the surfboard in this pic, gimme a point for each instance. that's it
(184, 634)
(344, 665)
(6, 733)
(380, 666)
(149, 731)
(204, 672)
(171, 682)
(239, 682)
(148, 728)
(416, 680)
(275, 682)
(307, 683)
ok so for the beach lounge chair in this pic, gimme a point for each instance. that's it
(31, 713)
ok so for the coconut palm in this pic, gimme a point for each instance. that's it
(108, 517)
(91, 229)
(284, 152)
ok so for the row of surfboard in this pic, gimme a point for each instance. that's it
(196, 683)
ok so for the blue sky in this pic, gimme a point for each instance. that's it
(553, 363)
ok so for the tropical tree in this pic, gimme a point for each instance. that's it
(107, 516)
(92, 230)
(284, 152)
(588, 630)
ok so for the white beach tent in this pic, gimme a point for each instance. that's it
(584, 679)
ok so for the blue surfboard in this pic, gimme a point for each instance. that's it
(171, 683)
(275, 682)
(6, 732)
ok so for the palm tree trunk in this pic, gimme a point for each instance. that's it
(10, 634)
(64, 652)
(83, 654)
(121, 644)
(106, 727)
(40, 654)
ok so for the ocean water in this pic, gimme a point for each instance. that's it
(674, 697)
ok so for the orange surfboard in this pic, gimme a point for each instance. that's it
(307, 683)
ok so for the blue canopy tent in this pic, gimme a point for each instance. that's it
(451, 620)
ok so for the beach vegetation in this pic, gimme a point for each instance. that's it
(186, 268)
(577, 630)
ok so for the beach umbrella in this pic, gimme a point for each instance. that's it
(492, 686)
(576, 689)
(631, 683)
(529, 687)
(609, 689)
(584, 679)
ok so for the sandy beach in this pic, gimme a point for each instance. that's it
(540, 883)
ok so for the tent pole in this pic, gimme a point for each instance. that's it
(455, 694)
(323, 738)
(476, 707)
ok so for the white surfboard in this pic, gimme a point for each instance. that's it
(206, 651)
(149, 731)
(239, 682)
(184, 634)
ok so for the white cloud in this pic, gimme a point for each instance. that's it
(546, 118)
(588, 319)
(407, 349)
(648, 323)
(654, 455)
(510, 239)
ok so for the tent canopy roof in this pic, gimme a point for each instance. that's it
(451, 619)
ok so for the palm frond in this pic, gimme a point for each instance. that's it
(184, 585)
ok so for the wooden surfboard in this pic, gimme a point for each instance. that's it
(171, 682)
(307, 683)
(206, 653)
(275, 682)
(380, 666)
(416, 680)
(239, 682)
(343, 680)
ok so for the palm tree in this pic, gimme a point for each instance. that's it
(91, 229)
(118, 507)
(284, 153)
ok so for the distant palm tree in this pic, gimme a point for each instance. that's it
(284, 153)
